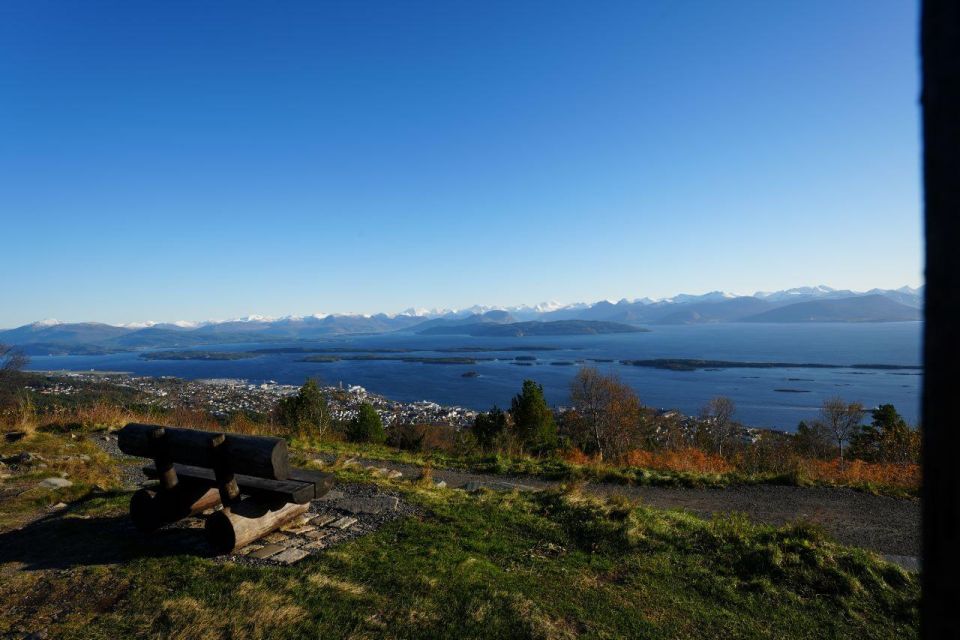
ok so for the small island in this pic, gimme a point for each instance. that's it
(198, 355)
(533, 328)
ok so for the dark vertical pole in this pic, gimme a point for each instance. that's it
(161, 458)
(226, 481)
(940, 577)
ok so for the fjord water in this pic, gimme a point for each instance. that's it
(777, 398)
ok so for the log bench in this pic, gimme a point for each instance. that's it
(196, 470)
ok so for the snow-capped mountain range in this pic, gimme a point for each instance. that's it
(802, 304)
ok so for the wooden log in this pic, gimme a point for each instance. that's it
(151, 509)
(222, 471)
(298, 491)
(157, 440)
(261, 456)
(247, 521)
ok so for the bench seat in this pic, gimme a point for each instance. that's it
(300, 487)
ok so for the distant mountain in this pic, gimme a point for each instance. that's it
(873, 308)
(802, 304)
(534, 328)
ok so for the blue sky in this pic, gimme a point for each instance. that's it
(193, 160)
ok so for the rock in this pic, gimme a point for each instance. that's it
(266, 551)
(318, 534)
(299, 531)
(322, 521)
(440, 484)
(372, 504)
(55, 483)
(24, 457)
(275, 538)
(60, 506)
(13, 436)
(344, 522)
(330, 496)
(290, 556)
(472, 486)
(394, 474)
(250, 548)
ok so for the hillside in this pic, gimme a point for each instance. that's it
(873, 308)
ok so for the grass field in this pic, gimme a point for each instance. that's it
(473, 565)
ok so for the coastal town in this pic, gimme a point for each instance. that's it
(225, 396)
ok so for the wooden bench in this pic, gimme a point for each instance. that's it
(197, 470)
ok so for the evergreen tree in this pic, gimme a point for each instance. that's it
(888, 438)
(533, 419)
(487, 427)
(366, 426)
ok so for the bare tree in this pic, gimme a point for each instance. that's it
(11, 359)
(842, 420)
(718, 414)
(608, 413)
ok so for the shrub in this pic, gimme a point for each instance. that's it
(366, 426)
(688, 460)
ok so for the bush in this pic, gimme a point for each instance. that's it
(366, 426)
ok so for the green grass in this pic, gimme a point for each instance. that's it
(483, 565)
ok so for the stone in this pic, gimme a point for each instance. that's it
(55, 483)
(60, 506)
(318, 534)
(299, 531)
(330, 496)
(250, 548)
(266, 551)
(322, 521)
(290, 556)
(373, 504)
(394, 474)
(275, 538)
(344, 522)
(316, 545)
(440, 484)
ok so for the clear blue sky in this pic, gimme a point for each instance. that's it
(193, 160)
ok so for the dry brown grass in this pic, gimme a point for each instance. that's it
(255, 612)
(857, 472)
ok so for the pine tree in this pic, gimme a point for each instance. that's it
(532, 418)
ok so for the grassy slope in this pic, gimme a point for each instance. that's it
(486, 565)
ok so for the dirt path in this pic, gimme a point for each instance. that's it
(890, 526)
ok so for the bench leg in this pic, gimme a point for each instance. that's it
(150, 509)
(247, 521)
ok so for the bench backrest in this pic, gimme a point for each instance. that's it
(259, 456)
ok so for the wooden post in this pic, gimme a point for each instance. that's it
(247, 521)
(160, 452)
(940, 53)
(226, 482)
(151, 509)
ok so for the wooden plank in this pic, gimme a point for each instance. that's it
(260, 456)
(322, 482)
(298, 492)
